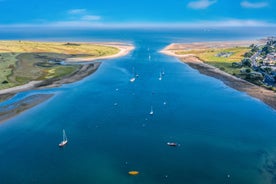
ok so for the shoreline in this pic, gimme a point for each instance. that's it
(13, 109)
(266, 96)
(124, 50)
(82, 72)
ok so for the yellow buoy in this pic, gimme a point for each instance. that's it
(133, 173)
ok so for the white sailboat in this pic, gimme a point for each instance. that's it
(151, 111)
(149, 57)
(134, 76)
(64, 140)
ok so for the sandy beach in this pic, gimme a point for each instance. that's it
(174, 47)
(16, 89)
(124, 50)
(267, 96)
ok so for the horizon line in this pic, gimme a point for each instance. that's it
(168, 25)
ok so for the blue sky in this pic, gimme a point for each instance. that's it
(97, 13)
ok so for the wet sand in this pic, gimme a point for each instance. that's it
(11, 110)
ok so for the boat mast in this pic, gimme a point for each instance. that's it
(64, 136)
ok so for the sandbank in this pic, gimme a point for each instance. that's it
(11, 110)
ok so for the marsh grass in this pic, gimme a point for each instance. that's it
(18, 59)
(209, 56)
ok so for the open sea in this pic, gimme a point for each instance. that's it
(224, 136)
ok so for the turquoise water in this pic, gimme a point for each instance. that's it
(225, 136)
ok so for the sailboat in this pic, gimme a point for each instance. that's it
(64, 141)
(151, 111)
(160, 76)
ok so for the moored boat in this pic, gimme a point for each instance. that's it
(64, 140)
(173, 144)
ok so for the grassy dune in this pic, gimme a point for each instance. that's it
(209, 56)
(25, 61)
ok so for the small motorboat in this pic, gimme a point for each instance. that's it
(173, 144)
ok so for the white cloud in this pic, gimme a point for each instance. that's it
(201, 4)
(90, 17)
(82, 15)
(77, 11)
(247, 4)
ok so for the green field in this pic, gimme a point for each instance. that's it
(25, 61)
(209, 56)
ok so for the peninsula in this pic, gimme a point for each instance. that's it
(27, 65)
(248, 66)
